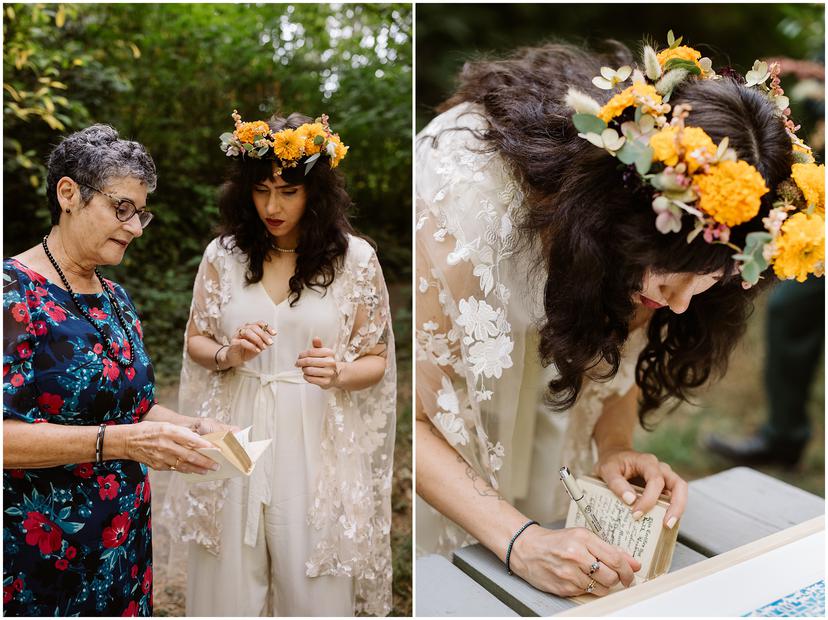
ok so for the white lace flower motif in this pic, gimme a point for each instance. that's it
(453, 428)
(477, 318)
(447, 398)
(490, 357)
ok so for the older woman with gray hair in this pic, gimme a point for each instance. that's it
(81, 423)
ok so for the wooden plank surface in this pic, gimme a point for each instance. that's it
(740, 505)
(444, 590)
(486, 569)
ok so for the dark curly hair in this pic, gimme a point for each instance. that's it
(324, 227)
(597, 223)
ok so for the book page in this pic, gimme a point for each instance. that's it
(638, 538)
(254, 450)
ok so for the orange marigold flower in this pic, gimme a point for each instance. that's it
(288, 144)
(810, 178)
(731, 192)
(340, 151)
(247, 132)
(309, 133)
(682, 51)
(694, 142)
(800, 248)
(626, 98)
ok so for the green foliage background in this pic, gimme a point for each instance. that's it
(169, 75)
(736, 34)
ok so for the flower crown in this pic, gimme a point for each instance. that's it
(692, 175)
(288, 147)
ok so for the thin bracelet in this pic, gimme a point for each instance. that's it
(215, 357)
(99, 444)
(512, 542)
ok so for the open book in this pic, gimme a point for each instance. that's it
(647, 539)
(234, 452)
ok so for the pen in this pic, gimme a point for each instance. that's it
(579, 497)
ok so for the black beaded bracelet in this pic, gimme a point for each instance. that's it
(215, 357)
(512, 542)
(99, 442)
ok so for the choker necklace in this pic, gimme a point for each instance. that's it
(122, 361)
(284, 251)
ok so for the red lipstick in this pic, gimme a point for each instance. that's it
(650, 303)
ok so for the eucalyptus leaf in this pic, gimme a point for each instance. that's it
(751, 271)
(262, 151)
(588, 123)
(226, 136)
(644, 160)
(629, 153)
(309, 164)
(670, 37)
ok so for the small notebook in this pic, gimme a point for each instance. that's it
(234, 452)
(647, 539)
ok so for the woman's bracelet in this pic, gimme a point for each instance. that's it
(215, 357)
(99, 442)
(512, 542)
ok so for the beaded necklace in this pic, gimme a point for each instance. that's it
(122, 361)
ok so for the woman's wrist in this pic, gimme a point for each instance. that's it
(340, 379)
(115, 442)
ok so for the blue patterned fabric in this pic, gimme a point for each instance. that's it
(76, 538)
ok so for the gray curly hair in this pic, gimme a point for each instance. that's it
(93, 156)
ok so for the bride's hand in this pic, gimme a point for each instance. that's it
(616, 467)
(248, 341)
(559, 561)
(319, 365)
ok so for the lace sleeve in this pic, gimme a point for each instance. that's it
(190, 511)
(352, 503)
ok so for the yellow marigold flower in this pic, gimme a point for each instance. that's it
(682, 51)
(340, 151)
(626, 98)
(731, 192)
(810, 178)
(800, 249)
(694, 141)
(309, 132)
(288, 144)
(247, 132)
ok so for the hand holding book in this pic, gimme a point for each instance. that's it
(235, 453)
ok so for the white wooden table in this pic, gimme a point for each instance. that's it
(724, 511)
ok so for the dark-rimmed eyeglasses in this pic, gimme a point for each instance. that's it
(125, 209)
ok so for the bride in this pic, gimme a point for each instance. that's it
(290, 333)
(590, 238)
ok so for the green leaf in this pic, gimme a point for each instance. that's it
(670, 37)
(644, 160)
(628, 153)
(588, 123)
(681, 63)
(262, 151)
(318, 140)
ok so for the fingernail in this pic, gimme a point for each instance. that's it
(628, 497)
(637, 515)
(269, 341)
(671, 522)
(215, 467)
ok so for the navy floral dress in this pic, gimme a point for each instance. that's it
(76, 538)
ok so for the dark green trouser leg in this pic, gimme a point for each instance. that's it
(795, 336)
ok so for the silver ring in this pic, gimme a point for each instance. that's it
(175, 467)
(591, 586)
(594, 566)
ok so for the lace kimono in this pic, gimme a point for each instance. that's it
(479, 302)
(351, 508)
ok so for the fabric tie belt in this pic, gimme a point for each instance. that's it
(264, 427)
